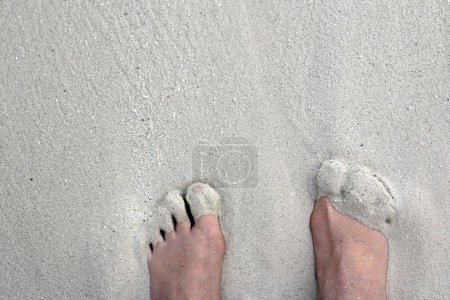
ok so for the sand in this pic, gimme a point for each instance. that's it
(359, 192)
(105, 107)
(201, 199)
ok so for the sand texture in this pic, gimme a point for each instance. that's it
(359, 192)
(107, 107)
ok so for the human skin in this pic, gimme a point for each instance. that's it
(188, 263)
(351, 259)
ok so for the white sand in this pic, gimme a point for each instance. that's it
(102, 106)
(359, 192)
(202, 200)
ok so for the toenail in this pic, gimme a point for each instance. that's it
(198, 188)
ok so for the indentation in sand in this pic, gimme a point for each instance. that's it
(357, 191)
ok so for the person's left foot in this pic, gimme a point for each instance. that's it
(351, 258)
(186, 261)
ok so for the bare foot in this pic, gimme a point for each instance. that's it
(187, 264)
(351, 259)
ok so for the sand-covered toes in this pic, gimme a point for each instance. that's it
(186, 262)
(201, 199)
(357, 191)
(175, 205)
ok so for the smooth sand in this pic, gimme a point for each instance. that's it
(102, 106)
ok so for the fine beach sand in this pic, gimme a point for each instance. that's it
(106, 107)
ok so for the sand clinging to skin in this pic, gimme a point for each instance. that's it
(358, 192)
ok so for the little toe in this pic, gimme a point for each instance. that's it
(156, 241)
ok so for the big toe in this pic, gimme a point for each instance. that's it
(321, 213)
(204, 203)
(203, 200)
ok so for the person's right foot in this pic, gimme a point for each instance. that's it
(351, 259)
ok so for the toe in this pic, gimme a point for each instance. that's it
(208, 223)
(158, 246)
(330, 177)
(208, 227)
(203, 200)
(170, 236)
(155, 239)
(319, 216)
(183, 226)
(322, 203)
(175, 205)
(165, 220)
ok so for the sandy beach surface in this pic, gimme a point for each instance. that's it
(105, 106)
